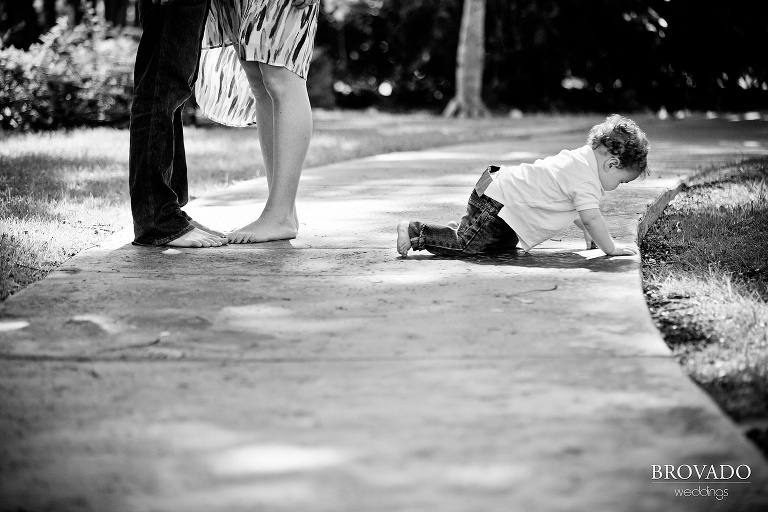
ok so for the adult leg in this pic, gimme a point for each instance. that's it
(264, 116)
(291, 123)
(179, 183)
(264, 124)
(166, 64)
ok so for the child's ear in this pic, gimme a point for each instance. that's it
(613, 163)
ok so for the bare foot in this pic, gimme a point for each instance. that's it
(263, 230)
(197, 238)
(453, 224)
(207, 229)
(403, 240)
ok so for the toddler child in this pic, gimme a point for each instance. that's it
(530, 203)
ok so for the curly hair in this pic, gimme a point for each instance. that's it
(623, 139)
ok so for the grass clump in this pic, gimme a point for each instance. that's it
(61, 193)
(705, 273)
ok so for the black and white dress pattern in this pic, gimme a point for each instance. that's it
(268, 31)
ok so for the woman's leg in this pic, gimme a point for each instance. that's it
(284, 119)
(265, 122)
(264, 118)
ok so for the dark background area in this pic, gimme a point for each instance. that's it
(631, 55)
(542, 56)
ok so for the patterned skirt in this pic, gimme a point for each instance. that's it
(268, 31)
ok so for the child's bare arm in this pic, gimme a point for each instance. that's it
(595, 225)
(587, 237)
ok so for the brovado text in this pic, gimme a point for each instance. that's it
(723, 472)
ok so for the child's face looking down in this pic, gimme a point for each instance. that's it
(611, 175)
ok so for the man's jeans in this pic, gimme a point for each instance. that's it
(480, 230)
(166, 69)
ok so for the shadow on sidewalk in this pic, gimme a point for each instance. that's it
(564, 260)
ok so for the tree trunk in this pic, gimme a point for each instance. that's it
(470, 58)
(49, 13)
(116, 11)
(74, 12)
(19, 19)
(74, 9)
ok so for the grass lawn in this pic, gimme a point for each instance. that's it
(705, 272)
(63, 192)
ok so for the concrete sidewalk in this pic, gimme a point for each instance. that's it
(329, 374)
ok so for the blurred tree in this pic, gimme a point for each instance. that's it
(470, 57)
(74, 11)
(540, 55)
(115, 12)
(76, 76)
(49, 14)
(397, 53)
(712, 54)
(18, 23)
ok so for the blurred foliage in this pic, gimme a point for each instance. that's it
(19, 24)
(410, 46)
(556, 54)
(541, 55)
(78, 76)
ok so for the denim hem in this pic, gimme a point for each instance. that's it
(464, 245)
(164, 240)
(418, 243)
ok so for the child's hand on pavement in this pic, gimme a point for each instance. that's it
(590, 243)
(623, 250)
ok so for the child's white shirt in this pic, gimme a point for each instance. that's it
(543, 198)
